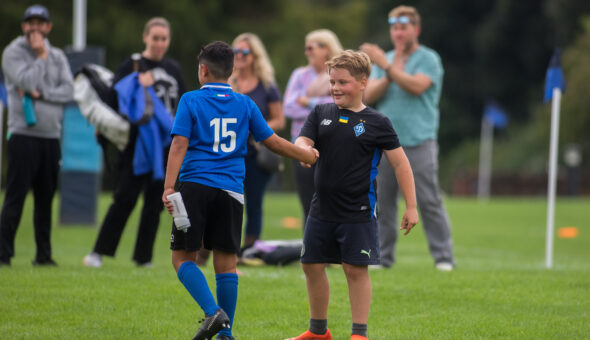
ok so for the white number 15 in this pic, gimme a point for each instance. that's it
(224, 132)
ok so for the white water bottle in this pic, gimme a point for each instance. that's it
(181, 220)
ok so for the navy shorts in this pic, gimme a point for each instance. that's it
(215, 216)
(330, 242)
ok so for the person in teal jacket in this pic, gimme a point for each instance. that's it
(405, 85)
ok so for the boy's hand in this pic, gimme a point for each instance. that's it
(167, 203)
(315, 154)
(409, 220)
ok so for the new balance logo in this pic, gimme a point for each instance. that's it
(368, 253)
(326, 122)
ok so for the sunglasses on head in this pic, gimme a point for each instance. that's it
(243, 51)
(404, 20)
(312, 46)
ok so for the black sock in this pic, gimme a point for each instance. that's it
(317, 326)
(359, 329)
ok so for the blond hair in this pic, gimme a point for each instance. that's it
(262, 67)
(409, 11)
(156, 21)
(327, 38)
(357, 63)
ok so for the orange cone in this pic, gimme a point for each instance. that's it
(567, 232)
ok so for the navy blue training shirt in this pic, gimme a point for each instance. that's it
(350, 145)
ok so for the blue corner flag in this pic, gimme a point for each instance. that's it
(3, 98)
(493, 113)
(554, 77)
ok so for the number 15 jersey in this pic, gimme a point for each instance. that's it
(217, 122)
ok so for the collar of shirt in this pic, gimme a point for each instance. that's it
(217, 86)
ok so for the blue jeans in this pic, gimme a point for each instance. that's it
(255, 185)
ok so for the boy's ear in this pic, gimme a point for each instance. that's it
(363, 83)
(203, 70)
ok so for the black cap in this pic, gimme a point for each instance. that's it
(37, 11)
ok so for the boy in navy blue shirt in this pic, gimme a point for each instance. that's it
(209, 144)
(341, 227)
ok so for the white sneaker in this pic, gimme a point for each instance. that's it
(376, 267)
(445, 266)
(145, 265)
(92, 260)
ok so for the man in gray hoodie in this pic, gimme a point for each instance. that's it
(39, 82)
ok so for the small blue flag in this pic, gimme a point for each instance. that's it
(3, 97)
(494, 114)
(554, 77)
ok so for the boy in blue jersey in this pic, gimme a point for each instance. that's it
(341, 227)
(210, 135)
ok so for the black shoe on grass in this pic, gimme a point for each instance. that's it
(44, 263)
(4, 263)
(212, 325)
(225, 337)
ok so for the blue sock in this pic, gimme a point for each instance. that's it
(227, 296)
(195, 282)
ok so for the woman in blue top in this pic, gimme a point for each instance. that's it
(254, 76)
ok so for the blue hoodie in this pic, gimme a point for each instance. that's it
(152, 136)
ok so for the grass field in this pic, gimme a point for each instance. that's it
(499, 290)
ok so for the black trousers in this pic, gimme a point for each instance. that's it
(129, 187)
(32, 163)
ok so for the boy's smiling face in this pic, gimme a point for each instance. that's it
(346, 90)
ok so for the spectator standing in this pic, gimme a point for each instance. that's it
(39, 82)
(309, 86)
(406, 85)
(163, 75)
(254, 76)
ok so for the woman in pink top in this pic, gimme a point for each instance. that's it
(309, 86)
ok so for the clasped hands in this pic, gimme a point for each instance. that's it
(313, 153)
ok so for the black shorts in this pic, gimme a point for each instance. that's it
(215, 216)
(330, 242)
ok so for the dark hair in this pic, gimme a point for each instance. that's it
(219, 59)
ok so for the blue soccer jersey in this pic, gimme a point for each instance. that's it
(217, 122)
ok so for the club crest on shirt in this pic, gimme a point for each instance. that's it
(359, 129)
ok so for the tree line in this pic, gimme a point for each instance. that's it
(491, 49)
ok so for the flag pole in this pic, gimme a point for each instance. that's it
(485, 159)
(555, 104)
(79, 32)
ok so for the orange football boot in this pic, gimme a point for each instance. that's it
(358, 337)
(307, 335)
